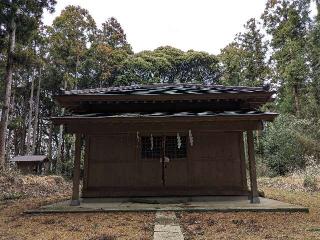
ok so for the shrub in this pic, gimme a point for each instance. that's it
(281, 150)
(311, 175)
(288, 142)
(310, 182)
(11, 196)
(263, 169)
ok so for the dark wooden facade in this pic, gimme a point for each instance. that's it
(180, 140)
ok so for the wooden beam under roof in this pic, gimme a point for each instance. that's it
(155, 119)
(68, 100)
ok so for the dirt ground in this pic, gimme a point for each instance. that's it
(19, 193)
(15, 225)
(259, 225)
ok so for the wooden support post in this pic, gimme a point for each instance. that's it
(75, 201)
(254, 198)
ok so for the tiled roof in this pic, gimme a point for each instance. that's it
(29, 158)
(165, 114)
(165, 89)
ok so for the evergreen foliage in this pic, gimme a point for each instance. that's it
(282, 51)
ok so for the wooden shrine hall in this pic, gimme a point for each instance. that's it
(165, 140)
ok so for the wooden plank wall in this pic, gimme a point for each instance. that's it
(215, 164)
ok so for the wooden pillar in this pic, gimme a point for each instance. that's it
(75, 201)
(254, 197)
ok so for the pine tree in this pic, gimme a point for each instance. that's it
(18, 19)
(113, 35)
(244, 60)
(314, 56)
(70, 36)
(287, 21)
(254, 48)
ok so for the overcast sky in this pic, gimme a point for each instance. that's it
(203, 25)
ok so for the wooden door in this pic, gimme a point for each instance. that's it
(175, 161)
(150, 165)
(163, 161)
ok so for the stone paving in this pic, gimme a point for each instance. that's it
(167, 227)
(217, 204)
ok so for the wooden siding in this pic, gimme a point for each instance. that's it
(214, 164)
(214, 156)
(112, 161)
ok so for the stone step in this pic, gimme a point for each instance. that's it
(167, 227)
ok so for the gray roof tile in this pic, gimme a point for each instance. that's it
(165, 89)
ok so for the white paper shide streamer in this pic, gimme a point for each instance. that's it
(178, 140)
(190, 138)
(151, 142)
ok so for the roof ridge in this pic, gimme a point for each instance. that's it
(159, 86)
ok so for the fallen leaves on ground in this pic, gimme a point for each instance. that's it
(261, 225)
(14, 186)
(293, 182)
(90, 226)
(109, 226)
(19, 193)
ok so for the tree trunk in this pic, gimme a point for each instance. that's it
(39, 137)
(7, 93)
(50, 145)
(60, 142)
(30, 114)
(55, 139)
(23, 134)
(8, 141)
(296, 100)
(8, 150)
(59, 150)
(77, 63)
(36, 116)
(15, 142)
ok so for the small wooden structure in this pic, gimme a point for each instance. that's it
(165, 140)
(30, 164)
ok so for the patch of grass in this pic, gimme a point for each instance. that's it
(49, 221)
(104, 237)
(95, 226)
(314, 229)
(147, 227)
(211, 222)
(12, 196)
(74, 228)
(310, 182)
(238, 222)
(192, 220)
